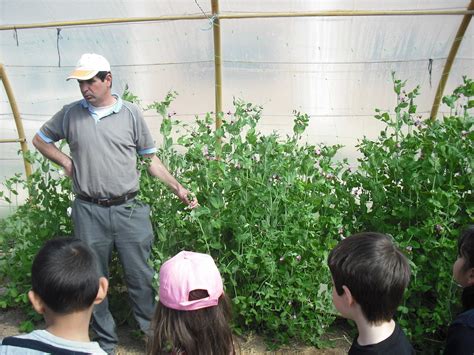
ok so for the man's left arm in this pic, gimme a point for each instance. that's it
(157, 169)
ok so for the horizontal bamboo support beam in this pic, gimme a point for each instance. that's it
(342, 13)
(103, 21)
(232, 16)
(13, 140)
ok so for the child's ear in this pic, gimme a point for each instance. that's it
(348, 296)
(102, 292)
(36, 302)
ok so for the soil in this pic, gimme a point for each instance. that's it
(250, 344)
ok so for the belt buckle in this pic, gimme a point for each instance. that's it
(103, 202)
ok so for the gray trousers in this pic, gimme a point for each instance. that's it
(127, 228)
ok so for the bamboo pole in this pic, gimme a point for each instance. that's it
(230, 16)
(217, 62)
(449, 61)
(13, 140)
(103, 21)
(16, 116)
(341, 13)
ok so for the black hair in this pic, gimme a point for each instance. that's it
(466, 246)
(102, 74)
(466, 250)
(374, 270)
(65, 275)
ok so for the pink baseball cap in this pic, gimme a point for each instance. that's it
(88, 66)
(185, 272)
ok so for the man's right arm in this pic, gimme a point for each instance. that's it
(50, 151)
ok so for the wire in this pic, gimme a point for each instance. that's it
(251, 62)
(15, 36)
(289, 115)
(58, 37)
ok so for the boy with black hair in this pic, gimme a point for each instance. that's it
(66, 285)
(370, 275)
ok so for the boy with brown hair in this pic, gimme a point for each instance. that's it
(370, 275)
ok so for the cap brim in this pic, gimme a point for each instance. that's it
(82, 74)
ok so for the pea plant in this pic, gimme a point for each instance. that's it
(415, 183)
(271, 209)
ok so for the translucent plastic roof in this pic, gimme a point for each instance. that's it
(336, 69)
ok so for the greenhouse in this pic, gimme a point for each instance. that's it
(269, 135)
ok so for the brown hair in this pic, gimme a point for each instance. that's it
(201, 332)
(375, 271)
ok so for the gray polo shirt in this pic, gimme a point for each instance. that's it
(104, 151)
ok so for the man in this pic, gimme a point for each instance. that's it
(104, 135)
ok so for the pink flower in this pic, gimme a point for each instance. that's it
(298, 257)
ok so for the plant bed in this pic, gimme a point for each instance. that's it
(273, 207)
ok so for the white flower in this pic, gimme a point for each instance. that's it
(69, 211)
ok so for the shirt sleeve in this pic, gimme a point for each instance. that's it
(53, 130)
(144, 140)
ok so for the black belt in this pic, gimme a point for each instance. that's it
(107, 202)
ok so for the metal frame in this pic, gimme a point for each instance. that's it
(217, 16)
(232, 16)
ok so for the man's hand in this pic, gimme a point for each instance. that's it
(158, 170)
(186, 197)
(50, 151)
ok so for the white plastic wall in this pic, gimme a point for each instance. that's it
(336, 69)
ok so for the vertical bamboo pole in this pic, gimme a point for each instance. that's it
(449, 62)
(16, 116)
(217, 62)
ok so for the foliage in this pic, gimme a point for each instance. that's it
(43, 215)
(270, 210)
(415, 182)
(273, 207)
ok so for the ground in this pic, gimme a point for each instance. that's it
(249, 345)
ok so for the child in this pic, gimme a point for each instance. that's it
(461, 331)
(193, 313)
(369, 277)
(65, 286)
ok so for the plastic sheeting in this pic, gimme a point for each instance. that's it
(336, 69)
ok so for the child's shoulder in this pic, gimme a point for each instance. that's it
(465, 319)
(43, 342)
(460, 339)
(395, 344)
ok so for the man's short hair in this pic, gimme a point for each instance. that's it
(375, 271)
(102, 74)
(65, 275)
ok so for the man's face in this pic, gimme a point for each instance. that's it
(96, 91)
